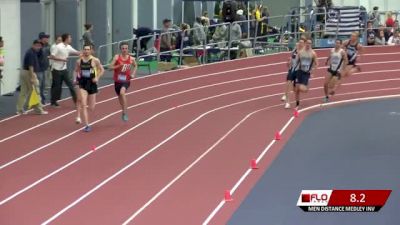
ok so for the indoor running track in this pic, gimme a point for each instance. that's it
(191, 136)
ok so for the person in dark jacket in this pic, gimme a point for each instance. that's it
(43, 56)
(141, 32)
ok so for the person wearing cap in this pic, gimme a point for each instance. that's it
(243, 25)
(29, 79)
(43, 56)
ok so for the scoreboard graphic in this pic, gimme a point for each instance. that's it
(342, 200)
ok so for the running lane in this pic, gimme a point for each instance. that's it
(167, 125)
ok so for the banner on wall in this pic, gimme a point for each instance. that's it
(343, 20)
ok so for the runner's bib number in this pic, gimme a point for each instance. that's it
(122, 77)
(86, 73)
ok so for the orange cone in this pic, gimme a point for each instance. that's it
(254, 164)
(296, 113)
(228, 196)
(277, 136)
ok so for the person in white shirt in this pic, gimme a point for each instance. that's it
(59, 55)
(58, 40)
(394, 39)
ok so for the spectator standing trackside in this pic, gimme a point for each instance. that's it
(199, 35)
(389, 20)
(29, 80)
(60, 55)
(44, 63)
(236, 35)
(87, 36)
(265, 20)
(57, 40)
(243, 25)
(183, 39)
(1, 57)
(374, 17)
(166, 40)
(259, 19)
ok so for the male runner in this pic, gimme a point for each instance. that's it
(88, 70)
(307, 60)
(291, 77)
(336, 61)
(352, 48)
(123, 72)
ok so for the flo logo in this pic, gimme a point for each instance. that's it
(314, 197)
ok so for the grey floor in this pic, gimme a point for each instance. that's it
(349, 147)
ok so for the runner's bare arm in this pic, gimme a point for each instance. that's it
(112, 65)
(315, 59)
(289, 62)
(99, 67)
(344, 57)
(77, 70)
(360, 50)
(134, 64)
(344, 44)
(328, 60)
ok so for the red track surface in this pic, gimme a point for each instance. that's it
(199, 190)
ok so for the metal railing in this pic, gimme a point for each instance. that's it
(221, 39)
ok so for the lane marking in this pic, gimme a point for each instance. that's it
(153, 117)
(55, 216)
(167, 83)
(248, 171)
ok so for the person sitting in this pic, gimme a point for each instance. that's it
(220, 35)
(370, 34)
(380, 38)
(394, 39)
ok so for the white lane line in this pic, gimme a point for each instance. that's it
(220, 140)
(201, 76)
(130, 107)
(163, 84)
(125, 132)
(154, 149)
(292, 118)
(156, 99)
(148, 120)
(145, 89)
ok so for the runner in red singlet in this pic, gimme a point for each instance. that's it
(124, 67)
